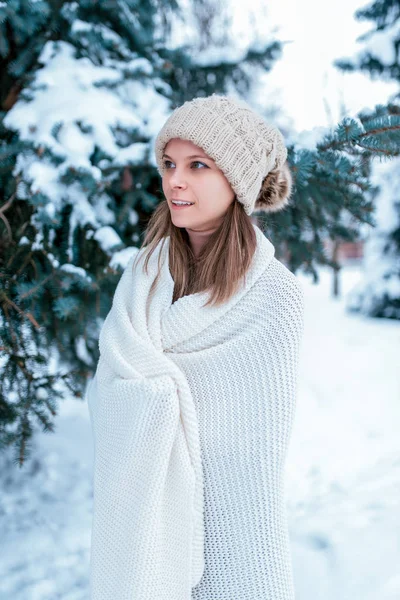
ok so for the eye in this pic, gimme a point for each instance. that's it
(167, 164)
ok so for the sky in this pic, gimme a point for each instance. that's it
(312, 91)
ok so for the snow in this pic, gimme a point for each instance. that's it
(387, 175)
(381, 273)
(54, 261)
(76, 271)
(103, 213)
(309, 138)
(343, 471)
(215, 56)
(82, 350)
(43, 176)
(107, 238)
(381, 44)
(133, 154)
(78, 27)
(121, 258)
(78, 107)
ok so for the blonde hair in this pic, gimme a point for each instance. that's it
(222, 262)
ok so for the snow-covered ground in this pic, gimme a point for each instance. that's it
(343, 479)
(343, 482)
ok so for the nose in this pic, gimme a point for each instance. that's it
(176, 179)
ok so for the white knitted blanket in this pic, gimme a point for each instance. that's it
(148, 510)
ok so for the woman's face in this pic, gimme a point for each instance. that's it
(192, 176)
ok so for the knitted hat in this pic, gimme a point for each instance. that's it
(250, 152)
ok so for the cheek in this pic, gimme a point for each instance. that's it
(165, 184)
(222, 188)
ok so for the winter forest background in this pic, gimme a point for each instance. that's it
(84, 89)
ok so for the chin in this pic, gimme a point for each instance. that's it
(180, 219)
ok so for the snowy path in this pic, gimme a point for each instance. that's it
(343, 483)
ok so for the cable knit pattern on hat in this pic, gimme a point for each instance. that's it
(192, 410)
(242, 144)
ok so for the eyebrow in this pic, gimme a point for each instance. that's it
(191, 156)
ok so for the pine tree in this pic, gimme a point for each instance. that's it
(79, 181)
(86, 88)
(378, 293)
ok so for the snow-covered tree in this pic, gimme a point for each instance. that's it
(378, 292)
(86, 88)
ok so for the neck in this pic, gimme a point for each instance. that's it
(198, 238)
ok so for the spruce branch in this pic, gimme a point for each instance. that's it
(4, 218)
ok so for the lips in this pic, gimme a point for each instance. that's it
(179, 200)
(179, 206)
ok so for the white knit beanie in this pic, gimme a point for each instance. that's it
(250, 152)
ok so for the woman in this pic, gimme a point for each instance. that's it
(194, 395)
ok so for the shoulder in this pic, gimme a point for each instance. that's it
(136, 259)
(128, 274)
(288, 282)
(281, 287)
(151, 256)
(281, 307)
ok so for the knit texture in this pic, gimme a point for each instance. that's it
(192, 410)
(243, 145)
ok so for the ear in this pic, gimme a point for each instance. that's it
(275, 190)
